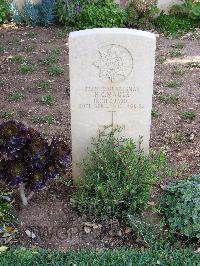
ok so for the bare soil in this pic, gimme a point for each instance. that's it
(49, 220)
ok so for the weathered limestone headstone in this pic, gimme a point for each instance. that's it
(111, 79)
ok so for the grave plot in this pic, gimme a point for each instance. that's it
(35, 90)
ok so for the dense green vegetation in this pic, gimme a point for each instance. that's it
(181, 206)
(174, 25)
(117, 177)
(91, 14)
(150, 257)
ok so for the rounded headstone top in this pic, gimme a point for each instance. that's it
(118, 31)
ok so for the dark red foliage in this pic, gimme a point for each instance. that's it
(26, 157)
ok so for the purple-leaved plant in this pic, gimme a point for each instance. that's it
(27, 160)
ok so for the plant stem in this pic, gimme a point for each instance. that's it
(22, 194)
(30, 195)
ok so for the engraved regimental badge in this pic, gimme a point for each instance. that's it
(115, 63)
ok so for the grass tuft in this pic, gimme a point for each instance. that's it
(55, 71)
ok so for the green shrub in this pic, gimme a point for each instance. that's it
(4, 11)
(190, 8)
(91, 14)
(174, 25)
(181, 206)
(117, 177)
(67, 10)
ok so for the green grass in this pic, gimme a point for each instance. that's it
(101, 257)
(45, 40)
(178, 71)
(43, 84)
(55, 71)
(48, 100)
(154, 112)
(188, 116)
(7, 216)
(61, 34)
(43, 119)
(15, 96)
(2, 48)
(2, 81)
(175, 53)
(7, 114)
(26, 68)
(162, 59)
(31, 48)
(180, 136)
(21, 114)
(54, 51)
(50, 59)
(178, 45)
(193, 64)
(168, 98)
(18, 58)
(173, 84)
(15, 40)
(32, 34)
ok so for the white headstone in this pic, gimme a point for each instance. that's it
(111, 80)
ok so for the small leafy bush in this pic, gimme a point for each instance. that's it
(174, 25)
(116, 178)
(4, 11)
(67, 10)
(91, 14)
(181, 206)
(27, 159)
(190, 8)
(35, 14)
